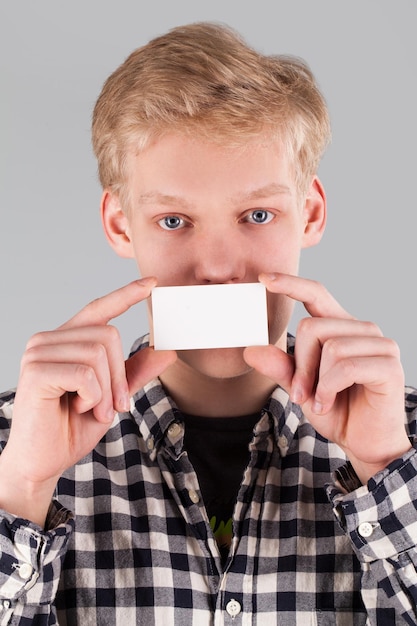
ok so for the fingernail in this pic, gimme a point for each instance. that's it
(148, 281)
(125, 402)
(110, 413)
(317, 407)
(296, 396)
(269, 276)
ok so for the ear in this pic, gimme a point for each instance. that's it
(116, 224)
(315, 214)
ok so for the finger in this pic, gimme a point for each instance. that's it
(106, 308)
(98, 346)
(145, 365)
(315, 297)
(340, 348)
(54, 380)
(373, 362)
(88, 353)
(319, 338)
(272, 363)
(375, 373)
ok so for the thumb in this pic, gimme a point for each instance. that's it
(272, 363)
(145, 365)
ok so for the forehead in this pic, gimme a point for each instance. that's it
(178, 164)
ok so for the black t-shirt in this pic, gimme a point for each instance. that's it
(218, 450)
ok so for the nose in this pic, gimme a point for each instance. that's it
(219, 258)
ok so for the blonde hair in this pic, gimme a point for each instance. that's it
(204, 80)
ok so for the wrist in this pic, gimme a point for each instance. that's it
(23, 497)
(365, 470)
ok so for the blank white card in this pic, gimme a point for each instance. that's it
(209, 316)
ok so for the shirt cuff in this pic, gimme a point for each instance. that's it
(380, 517)
(31, 557)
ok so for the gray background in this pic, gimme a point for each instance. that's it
(54, 57)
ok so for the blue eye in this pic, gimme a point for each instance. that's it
(171, 222)
(259, 216)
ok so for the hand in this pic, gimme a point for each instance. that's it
(346, 376)
(72, 381)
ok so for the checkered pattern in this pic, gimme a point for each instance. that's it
(142, 551)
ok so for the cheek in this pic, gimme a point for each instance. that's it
(154, 260)
(280, 255)
(282, 243)
(147, 255)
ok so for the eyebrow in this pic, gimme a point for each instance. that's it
(266, 191)
(272, 189)
(157, 197)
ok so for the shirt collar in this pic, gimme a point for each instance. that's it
(154, 412)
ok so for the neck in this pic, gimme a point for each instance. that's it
(216, 397)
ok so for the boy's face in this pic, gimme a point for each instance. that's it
(202, 214)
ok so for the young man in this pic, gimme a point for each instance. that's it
(190, 487)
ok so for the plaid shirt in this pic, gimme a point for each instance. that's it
(141, 550)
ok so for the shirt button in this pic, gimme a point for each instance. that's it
(410, 572)
(25, 571)
(365, 529)
(194, 497)
(150, 444)
(233, 608)
(174, 430)
(282, 441)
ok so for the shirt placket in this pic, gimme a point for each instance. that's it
(234, 606)
(182, 481)
(231, 591)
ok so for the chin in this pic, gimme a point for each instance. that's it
(221, 363)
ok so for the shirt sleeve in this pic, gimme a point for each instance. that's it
(381, 520)
(30, 566)
(30, 557)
